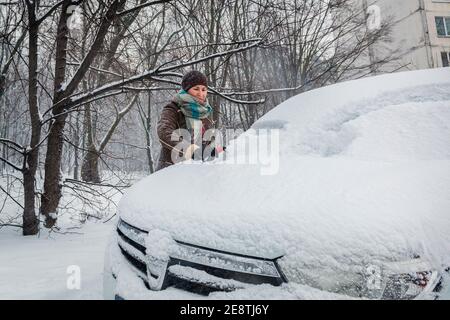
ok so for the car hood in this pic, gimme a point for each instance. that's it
(319, 214)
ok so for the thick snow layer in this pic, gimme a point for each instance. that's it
(363, 179)
(393, 125)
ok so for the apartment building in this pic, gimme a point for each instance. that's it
(420, 34)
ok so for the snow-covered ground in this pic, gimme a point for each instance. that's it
(46, 266)
(40, 267)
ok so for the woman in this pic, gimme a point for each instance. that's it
(187, 117)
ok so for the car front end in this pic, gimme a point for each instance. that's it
(194, 272)
(356, 206)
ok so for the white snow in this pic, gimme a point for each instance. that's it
(46, 266)
(159, 244)
(364, 179)
(200, 276)
(40, 267)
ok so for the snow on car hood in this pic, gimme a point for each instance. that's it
(363, 178)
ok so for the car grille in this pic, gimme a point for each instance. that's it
(181, 273)
(131, 242)
(135, 262)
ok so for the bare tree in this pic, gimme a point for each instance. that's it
(64, 99)
(63, 88)
(30, 153)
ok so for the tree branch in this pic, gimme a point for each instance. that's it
(10, 225)
(7, 193)
(225, 96)
(213, 90)
(52, 9)
(139, 7)
(148, 74)
(92, 53)
(15, 144)
(82, 97)
(11, 164)
(15, 49)
(97, 69)
(113, 127)
(95, 184)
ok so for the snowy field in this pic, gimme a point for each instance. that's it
(39, 267)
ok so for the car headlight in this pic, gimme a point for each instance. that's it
(226, 261)
(132, 233)
(203, 256)
(402, 281)
(411, 285)
(413, 279)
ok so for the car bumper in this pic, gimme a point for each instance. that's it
(122, 281)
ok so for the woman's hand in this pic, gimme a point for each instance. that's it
(220, 149)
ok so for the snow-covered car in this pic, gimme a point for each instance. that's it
(354, 204)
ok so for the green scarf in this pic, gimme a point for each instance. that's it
(193, 110)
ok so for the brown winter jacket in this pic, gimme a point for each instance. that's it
(173, 119)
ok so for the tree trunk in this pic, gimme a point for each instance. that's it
(4, 148)
(75, 148)
(148, 134)
(89, 169)
(29, 219)
(53, 184)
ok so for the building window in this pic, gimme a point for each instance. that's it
(445, 59)
(443, 26)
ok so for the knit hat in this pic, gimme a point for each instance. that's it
(193, 78)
